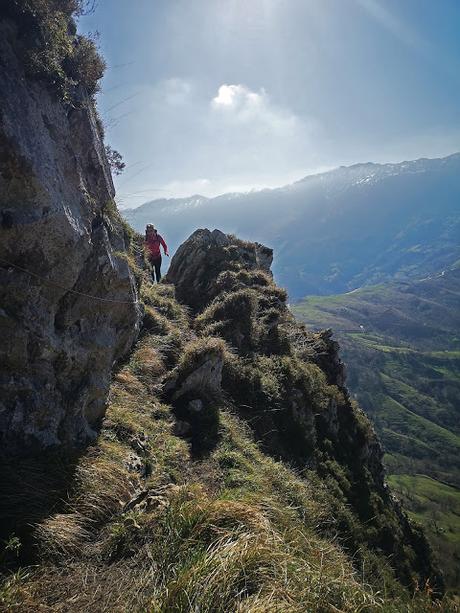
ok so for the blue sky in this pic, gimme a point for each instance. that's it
(209, 96)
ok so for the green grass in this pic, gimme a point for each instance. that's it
(141, 523)
(407, 378)
(235, 531)
(436, 506)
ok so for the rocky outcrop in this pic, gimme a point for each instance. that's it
(194, 389)
(68, 301)
(325, 353)
(203, 381)
(289, 385)
(198, 262)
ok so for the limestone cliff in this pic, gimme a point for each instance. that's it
(68, 305)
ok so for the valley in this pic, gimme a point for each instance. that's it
(401, 345)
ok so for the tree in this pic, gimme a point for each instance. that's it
(115, 160)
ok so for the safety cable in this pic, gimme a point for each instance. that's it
(71, 291)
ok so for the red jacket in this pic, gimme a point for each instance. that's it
(152, 243)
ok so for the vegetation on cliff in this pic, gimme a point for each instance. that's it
(52, 50)
(231, 473)
(400, 342)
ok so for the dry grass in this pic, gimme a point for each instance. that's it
(145, 527)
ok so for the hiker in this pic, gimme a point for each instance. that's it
(152, 243)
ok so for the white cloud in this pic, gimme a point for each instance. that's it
(197, 138)
(238, 104)
(238, 97)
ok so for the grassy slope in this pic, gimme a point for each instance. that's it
(403, 366)
(145, 525)
(437, 507)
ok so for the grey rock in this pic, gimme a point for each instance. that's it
(205, 379)
(203, 256)
(195, 406)
(58, 347)
(201, 380)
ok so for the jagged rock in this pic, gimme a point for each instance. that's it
(197, 263)
(203, 379)
(194, 390)
(325, 353)
(56, 222)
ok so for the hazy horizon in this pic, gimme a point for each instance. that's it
(211, 97)
(262, 188)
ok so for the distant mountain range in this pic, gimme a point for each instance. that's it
(335, 231)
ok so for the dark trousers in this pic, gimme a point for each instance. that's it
(156, 268)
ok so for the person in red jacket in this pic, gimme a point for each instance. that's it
(152, 245)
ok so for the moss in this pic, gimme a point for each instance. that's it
(67, 62)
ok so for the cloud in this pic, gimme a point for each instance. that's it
(176, 92)
(238, 97)
(239, 104)
(209, 138)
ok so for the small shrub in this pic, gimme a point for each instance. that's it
(52, 50)
(85, 67)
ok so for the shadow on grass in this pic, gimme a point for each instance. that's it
(31, 489)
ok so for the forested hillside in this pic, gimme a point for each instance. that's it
(401, 344)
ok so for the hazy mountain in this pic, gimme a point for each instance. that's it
(335, 231)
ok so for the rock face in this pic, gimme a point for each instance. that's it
(203, 381)
(74, 312)
(198, 262)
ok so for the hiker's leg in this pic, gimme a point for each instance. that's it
(158, 269)
(152, 269)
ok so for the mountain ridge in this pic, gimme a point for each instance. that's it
(359, 165)
(188, 498)
(338, 230)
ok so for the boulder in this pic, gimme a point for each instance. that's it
(202, 257)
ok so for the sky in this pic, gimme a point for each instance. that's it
(214, 96)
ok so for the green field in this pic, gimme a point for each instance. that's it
(401, 346)
(436, 506)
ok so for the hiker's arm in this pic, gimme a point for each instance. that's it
(165, 246)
